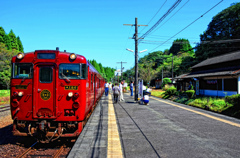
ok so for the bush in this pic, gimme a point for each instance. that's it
(165, 87)
(200, 102)
(233, 99)
(171, 91)
(4, 93)
(166, 81)
(190, 93)
(217, 105)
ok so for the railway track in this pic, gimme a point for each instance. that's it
(46, 150)
(4, 108)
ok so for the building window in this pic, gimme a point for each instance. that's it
(215, 84)
(230, 84)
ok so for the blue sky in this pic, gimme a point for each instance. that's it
(94, 28)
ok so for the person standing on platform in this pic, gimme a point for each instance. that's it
(110, 87)
(131, 88)
(106, 85)
(116, 92)
(121, 91)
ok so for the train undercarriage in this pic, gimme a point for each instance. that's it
(46, 131)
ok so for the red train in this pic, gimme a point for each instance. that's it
(52, 94)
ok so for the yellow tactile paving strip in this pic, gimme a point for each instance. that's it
(114, 144)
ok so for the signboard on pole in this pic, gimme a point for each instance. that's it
(140, 88)
(197, 87)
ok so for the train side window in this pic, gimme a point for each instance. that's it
(84, 71)
(45, 74)
(91, 81)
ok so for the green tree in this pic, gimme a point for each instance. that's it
(181, 46)
(106, 72)
(2, 34)
(7, 42)
(219, 37)
(5, 65)
(20, 46)
(13, 40)
(147, 73)
(166, 81)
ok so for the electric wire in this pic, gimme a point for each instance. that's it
(202, 42)
(154, 15)
(126, 45)
(170, 17)
(189, 25)
(161, 19)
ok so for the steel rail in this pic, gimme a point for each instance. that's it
(58, 152)
(23, 154)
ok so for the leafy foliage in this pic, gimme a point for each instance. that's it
(106, 72)
(147, 73)
(166, 81)
(20, 46)
(181, 45)
(234, 99)
(13, 40)
(10, 45)
(5, 65)
(171, 91)
(190, 93)
(224, 26)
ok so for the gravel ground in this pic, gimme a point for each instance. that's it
(5, 118)
(12, 146)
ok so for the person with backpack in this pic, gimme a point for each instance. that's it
(116, 92)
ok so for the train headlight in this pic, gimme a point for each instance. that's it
(70, 94)
(20, 94)
(20, 56)
(72, 56)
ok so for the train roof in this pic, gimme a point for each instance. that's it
(58, 56)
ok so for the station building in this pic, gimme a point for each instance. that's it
(218, 76)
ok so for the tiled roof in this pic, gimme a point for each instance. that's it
(213, 72)
(219, 59)
(222, 73)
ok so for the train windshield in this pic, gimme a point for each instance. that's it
(22, 70)
(72, 71)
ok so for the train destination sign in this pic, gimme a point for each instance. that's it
(21, 86)
(71, 88)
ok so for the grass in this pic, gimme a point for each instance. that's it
(4, 93)
(157, 93)
(4, 97)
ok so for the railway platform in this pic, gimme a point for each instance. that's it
(162, 129)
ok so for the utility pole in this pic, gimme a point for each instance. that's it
(135, 37)
(121, 68)
(172, 68)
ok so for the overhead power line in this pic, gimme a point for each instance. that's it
(154, 15)
(170, 17)
(189, 24)
(161, 19)
(202, 42)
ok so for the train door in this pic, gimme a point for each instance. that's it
(44, 84)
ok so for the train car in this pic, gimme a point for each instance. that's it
(52, 94)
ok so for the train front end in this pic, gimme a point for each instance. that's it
(48, 94)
